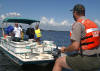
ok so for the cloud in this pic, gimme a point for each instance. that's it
(51, 24)
(44, 20)
(10, 14)
(65, 23)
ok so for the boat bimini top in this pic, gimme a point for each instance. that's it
(20, 20)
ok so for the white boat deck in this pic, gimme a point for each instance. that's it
(28, 51)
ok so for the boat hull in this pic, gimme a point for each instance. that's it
(20, 62)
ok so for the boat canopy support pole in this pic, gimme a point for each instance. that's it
(3, 29)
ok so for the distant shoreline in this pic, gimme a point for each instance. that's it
(51, 30)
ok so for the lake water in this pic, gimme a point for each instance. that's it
(60, 39)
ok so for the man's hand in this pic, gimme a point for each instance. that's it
(63, 49)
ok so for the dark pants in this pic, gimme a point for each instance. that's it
(16, 39)
(38, 39)
(84, 63)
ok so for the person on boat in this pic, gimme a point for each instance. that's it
(9, 30)
(17, 33)
(30, 32)
(85, 41)
(38, 34)
(22, 33)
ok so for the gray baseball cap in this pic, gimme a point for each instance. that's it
(78, 7)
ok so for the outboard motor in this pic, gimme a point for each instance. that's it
(56, 53)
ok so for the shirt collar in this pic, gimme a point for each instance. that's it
(82, 17)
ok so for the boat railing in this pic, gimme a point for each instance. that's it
(26, 48)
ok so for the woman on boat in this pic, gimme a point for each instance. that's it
(38, 34)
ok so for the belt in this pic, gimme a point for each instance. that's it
(92, 52)
(94, 55)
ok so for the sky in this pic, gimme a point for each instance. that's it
(53, 14)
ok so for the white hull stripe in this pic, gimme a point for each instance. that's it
(91, 30)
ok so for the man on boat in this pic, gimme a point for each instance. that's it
(17, 33)
(85, 40)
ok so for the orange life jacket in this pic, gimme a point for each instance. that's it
(92, 37)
